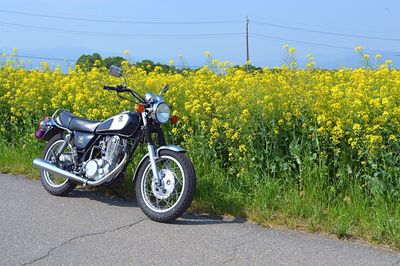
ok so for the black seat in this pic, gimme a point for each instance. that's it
(72, 122)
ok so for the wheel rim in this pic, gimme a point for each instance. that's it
(169, 196)
(51, 179)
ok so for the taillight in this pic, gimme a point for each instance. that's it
(42, 123)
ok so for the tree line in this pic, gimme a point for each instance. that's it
(87, 62)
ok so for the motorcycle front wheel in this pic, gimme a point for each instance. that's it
(168, 201)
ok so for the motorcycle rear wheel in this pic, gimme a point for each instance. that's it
(54, 184)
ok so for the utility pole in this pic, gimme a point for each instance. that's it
(247, 44)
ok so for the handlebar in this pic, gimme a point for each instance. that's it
(121, 88)
(118, 88)
(108, 87)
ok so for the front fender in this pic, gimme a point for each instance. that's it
(165, 147)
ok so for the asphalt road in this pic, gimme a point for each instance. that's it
(87, 228)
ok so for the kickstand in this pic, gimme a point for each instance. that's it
(118, 194)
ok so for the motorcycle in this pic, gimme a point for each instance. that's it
(95, 153)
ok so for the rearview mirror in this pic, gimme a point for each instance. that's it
(115, 71)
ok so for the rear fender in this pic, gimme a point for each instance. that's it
(166, 147)
(51, 132)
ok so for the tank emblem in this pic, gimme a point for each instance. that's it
(119, 122)
(80, 139)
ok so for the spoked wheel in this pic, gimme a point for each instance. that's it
(169, 200)
(54, 184)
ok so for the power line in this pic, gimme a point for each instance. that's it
(327, 27)
(263, 36)
(325, 32)
(118, 21)
(125, 35)
(45, 58)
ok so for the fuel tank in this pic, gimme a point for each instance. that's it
(126, 124)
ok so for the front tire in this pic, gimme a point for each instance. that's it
(166, 203)
(53, 184)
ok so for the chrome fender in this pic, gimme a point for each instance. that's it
(166, 147)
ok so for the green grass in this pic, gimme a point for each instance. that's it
(17, 159)
(307, 201)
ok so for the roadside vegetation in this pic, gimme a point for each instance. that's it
(309, 148)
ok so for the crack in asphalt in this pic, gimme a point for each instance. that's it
(202, 256)
(230, 251)
(233, 255)
(83, 236)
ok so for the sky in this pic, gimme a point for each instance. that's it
(328, 30)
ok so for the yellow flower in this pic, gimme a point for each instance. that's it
(359, 48)
(356, 127)
(242, 148)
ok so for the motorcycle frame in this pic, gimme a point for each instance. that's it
(144, 135)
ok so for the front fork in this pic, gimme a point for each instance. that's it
(151, 149)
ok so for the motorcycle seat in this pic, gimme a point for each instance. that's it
(75, 123)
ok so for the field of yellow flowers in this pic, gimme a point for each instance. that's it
(310, 148)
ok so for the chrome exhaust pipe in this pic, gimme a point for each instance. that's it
(51, 168)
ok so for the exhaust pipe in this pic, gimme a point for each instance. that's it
(51, 168)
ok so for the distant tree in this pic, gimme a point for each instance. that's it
(250, 68)
(149, 66)
(113, 60)
(86, 62)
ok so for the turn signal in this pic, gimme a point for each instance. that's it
(174, 119)
(140, 108)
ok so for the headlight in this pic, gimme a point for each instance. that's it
(162, 112)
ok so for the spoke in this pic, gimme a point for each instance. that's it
(166, 165)
(157, 202)
(166, 202)
(179, 181)
(176, 194)
(52, 153)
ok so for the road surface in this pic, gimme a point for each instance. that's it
(87, 228)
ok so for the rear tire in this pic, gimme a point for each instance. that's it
(58, 189)
(168, 203)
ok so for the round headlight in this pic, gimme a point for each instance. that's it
(162, 112)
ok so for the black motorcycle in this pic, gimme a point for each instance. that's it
(93, 153)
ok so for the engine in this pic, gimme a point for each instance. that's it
(111, 150)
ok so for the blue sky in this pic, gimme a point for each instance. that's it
(372, 19)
